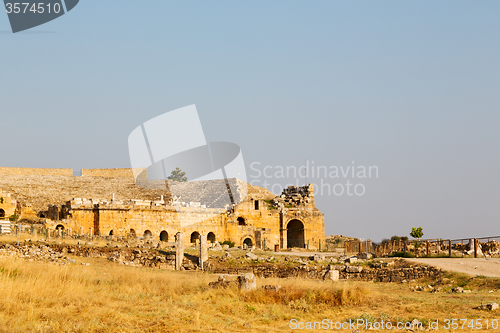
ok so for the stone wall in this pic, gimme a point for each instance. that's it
(42, 191)
(111, 173)
(36, 172)
(399, 274)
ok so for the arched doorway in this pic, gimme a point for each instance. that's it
(164, 236)
(60, 227)
(211, 237)
(111, 232)
(148, 234)
(2, 213)
(295, 234)
(248, 242)
(132, 234)
(241, 221)
(195, 236)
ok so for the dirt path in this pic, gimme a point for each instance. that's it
(471, 266)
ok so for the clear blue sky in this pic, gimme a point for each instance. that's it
(410, 87)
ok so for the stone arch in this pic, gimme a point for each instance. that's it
(111, 232)
(241, 221)
(42, 215)
(194, 237)
(211, 237)
(164, 236)
(132, 234)
(248, 241)
(295, 234)
(60, 227)
(147, 234)
(2, 213)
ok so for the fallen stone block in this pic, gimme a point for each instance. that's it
(332, 275)
(354, 269)
(364, 255)
(252, 256)
(351, 260)
(317, 257)
(247, 281)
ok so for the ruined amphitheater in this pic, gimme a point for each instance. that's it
(108, 202)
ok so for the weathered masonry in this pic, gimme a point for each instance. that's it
(120, 208)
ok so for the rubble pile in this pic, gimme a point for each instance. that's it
(348, 269)
(35, 252)
(292, 196)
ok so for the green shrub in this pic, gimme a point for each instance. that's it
(228, 242)
(402, 255)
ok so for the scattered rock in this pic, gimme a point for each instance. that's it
(489, 307)
(270, 287)
(252, 256)
(216, 247)
(364, 255)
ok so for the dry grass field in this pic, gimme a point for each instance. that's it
(106, 297)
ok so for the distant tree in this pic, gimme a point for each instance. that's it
(1, 200)
(178, 175)
(13, 218)
(395, 239)
(399, 239)
(416, 232)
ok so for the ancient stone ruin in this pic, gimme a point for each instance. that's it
(108, 203)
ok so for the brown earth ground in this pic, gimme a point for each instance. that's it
(471, 266)
(106, 297)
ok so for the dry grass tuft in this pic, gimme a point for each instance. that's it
(313, 293)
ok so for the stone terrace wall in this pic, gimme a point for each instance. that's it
(411, 272)
(36, 172)
(112, 173)
(41, 190)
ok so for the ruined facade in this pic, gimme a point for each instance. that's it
(7, 205)
(119, 208)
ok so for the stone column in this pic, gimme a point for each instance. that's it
(179, 250)
(475, 248)
(203, 250)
